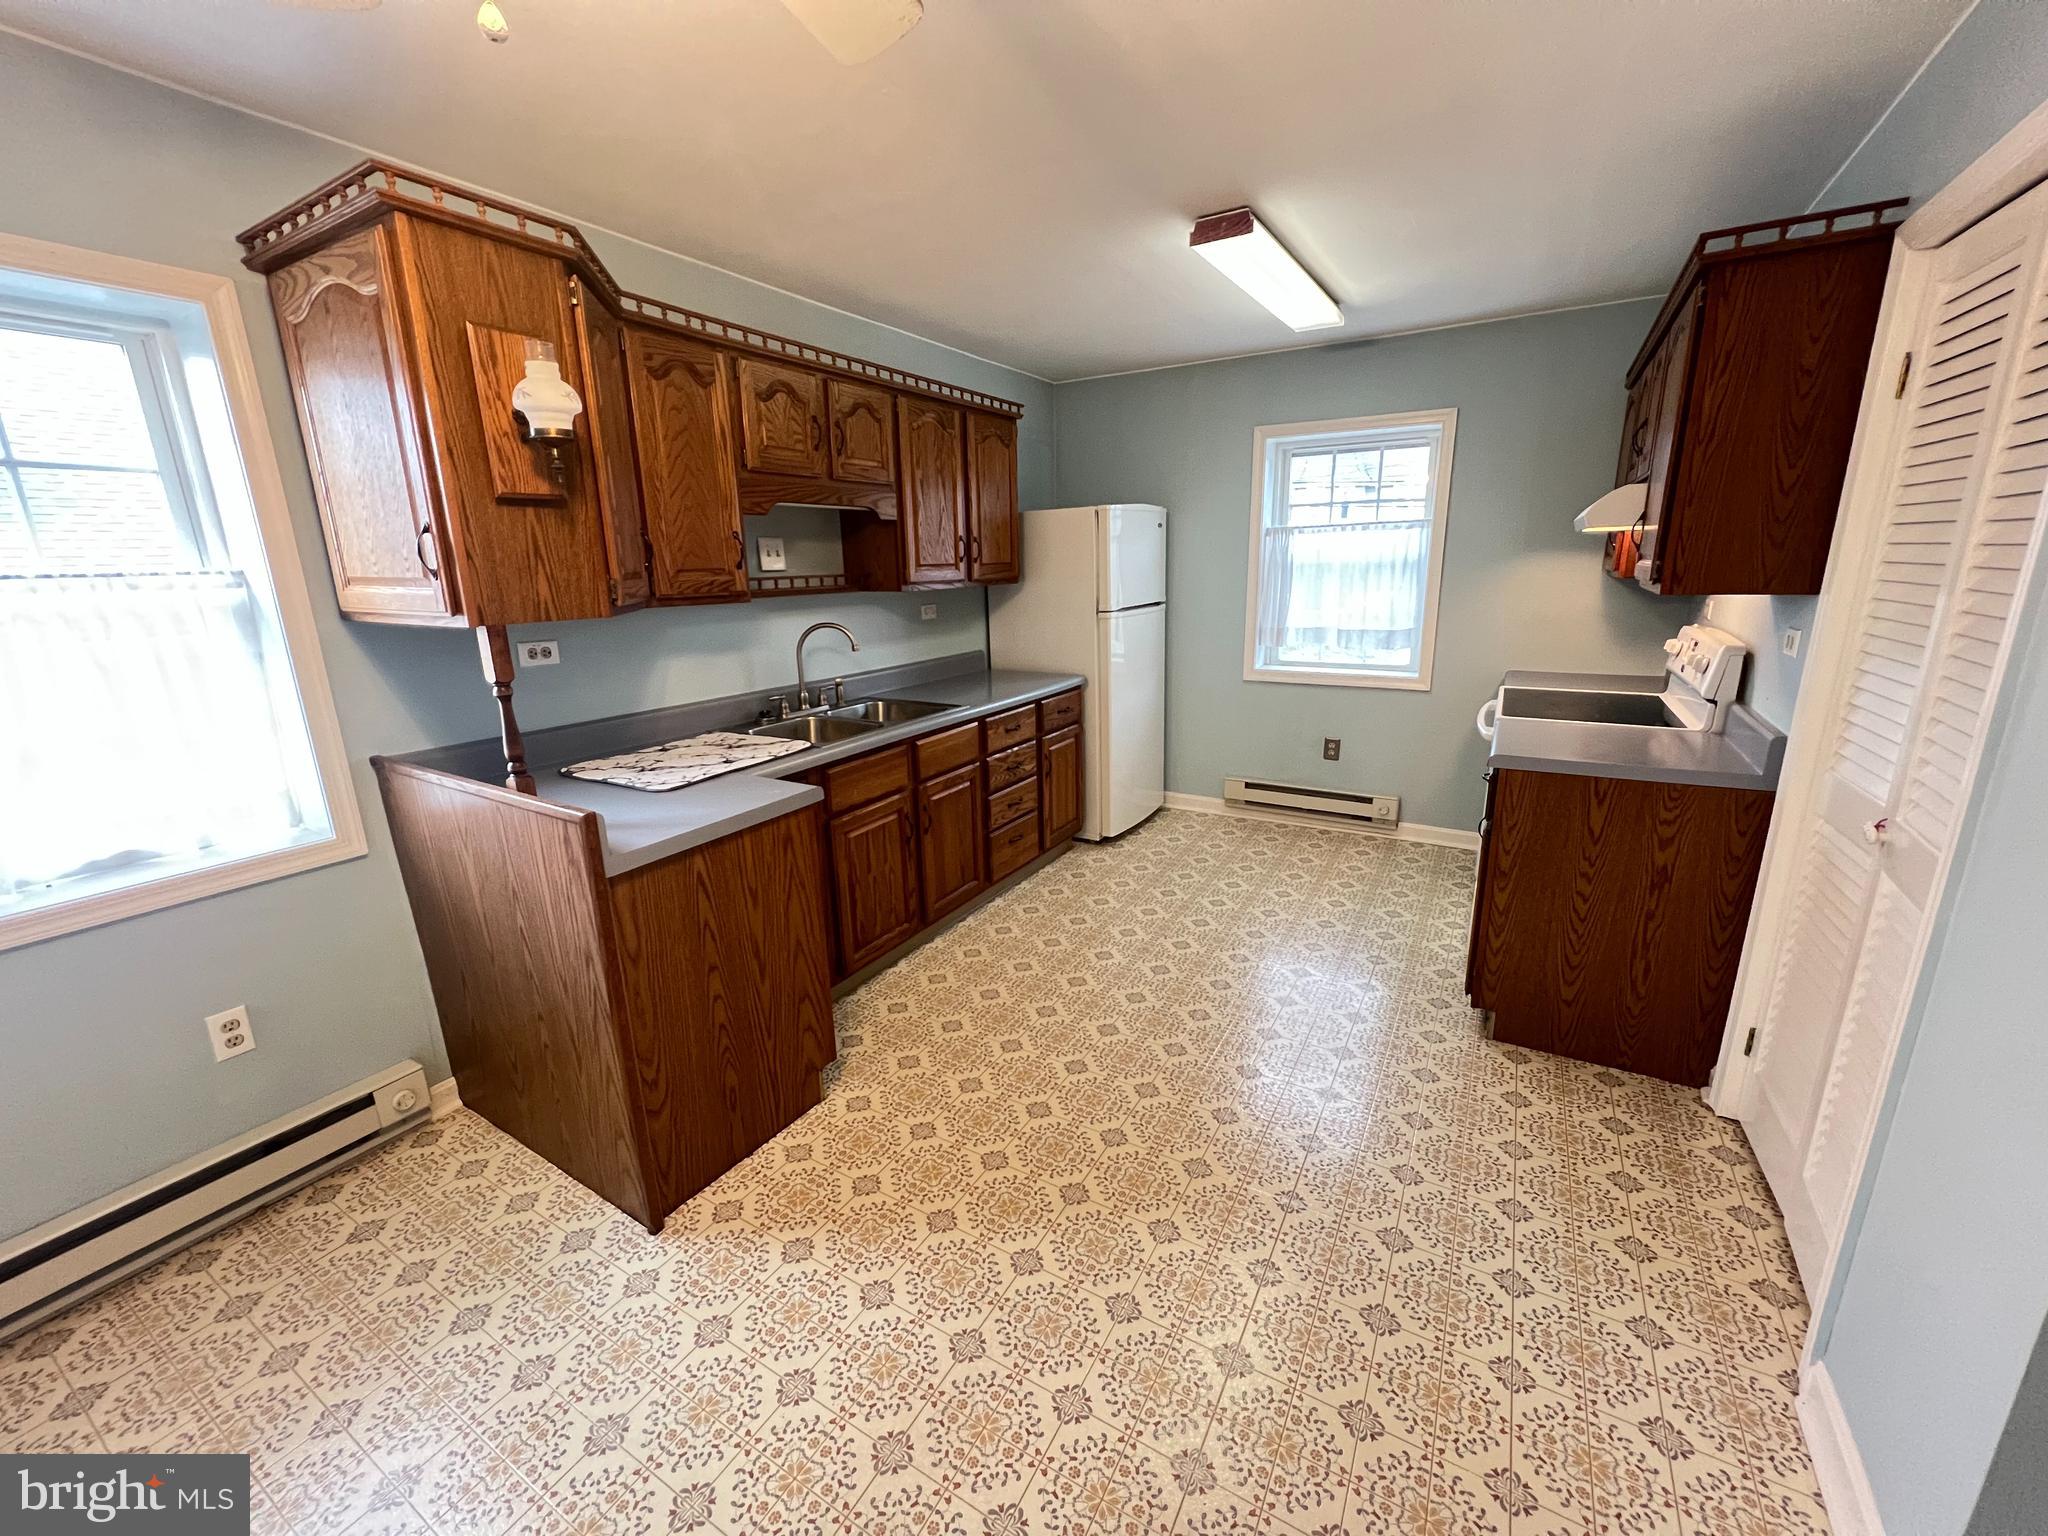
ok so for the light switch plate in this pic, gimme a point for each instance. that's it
(539, 653)
(771, 553)
(1788, 642)
(229, 1033)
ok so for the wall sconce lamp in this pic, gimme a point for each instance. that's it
(546, 406)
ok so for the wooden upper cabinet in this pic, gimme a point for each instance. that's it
(863, 434)
(528, 547)
(603, 342)
(342, 321)
(1743, 403)
(682, 427)
(994, 544)
(933, 504)
(407, 307)
(782, 417)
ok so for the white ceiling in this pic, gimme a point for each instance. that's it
(1017, 177)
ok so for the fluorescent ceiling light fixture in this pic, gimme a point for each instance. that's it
(1236, 244)
(1618, 511)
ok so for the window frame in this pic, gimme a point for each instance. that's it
(153, 357)
(1270, 446)
(283, 574)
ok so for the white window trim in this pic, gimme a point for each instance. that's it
(1263, 439)
(216, 296)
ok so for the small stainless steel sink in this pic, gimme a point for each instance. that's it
(1588, 707)
(887, 711)
(818, 730)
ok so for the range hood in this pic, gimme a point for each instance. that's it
(1618, 511)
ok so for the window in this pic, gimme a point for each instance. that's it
(1347, 550)
(157, 742)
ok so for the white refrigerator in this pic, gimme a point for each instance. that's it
(1093, 601)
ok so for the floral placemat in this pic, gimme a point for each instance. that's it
(674, 764)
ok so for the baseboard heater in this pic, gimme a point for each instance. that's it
(69, 1258)
(1372, 810)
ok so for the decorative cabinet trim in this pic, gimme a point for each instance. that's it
(365, 190)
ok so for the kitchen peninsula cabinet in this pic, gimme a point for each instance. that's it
(1743, 400)
(642, 1031)
(1610, 914)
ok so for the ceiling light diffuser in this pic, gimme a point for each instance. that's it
(491, 22)
(854, 31)
(1236, 244)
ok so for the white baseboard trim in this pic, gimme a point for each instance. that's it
(444, 1098)
(1837, 1465)
(1410, 831)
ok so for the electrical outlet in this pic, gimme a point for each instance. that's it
(229, 1033)
(928, 611)
(771, 553)
(1788, 642)
(539, 653)
(1332, 747)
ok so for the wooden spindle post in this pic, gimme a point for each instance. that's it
(497, 659)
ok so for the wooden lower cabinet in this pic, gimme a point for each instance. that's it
(1059, 778)
(916, 831)
(952, 857)
(643, 1032)
(875, 892)
(1610, 916)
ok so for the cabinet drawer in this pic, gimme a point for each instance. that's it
(1006, 805)
(1013, 847)
(866, 778)
(948, 750)
(1006, 730)
(1007, 768)
(1061, 709)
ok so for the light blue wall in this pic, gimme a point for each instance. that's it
(105, 1075)
(1942, 1292)
(1539, 405)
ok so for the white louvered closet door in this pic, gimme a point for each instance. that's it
(1934, 623)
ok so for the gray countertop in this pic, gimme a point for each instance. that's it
(640, 827)
(1746, 755)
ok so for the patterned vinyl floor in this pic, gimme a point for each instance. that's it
(1177, 1190)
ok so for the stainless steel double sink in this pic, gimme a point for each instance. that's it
(847, 721)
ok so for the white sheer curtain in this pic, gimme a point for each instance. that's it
(1348, 595)
(135, 722)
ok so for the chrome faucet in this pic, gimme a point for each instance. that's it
(803, 692)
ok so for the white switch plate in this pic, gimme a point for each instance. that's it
(771, 553)
(539, 653)
(1788, 642)
(229, 1033)
(1708, 614)
(928, 611)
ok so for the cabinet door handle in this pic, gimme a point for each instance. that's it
(420, 544)
(839, 438)
(817, 433)
(739, 561)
